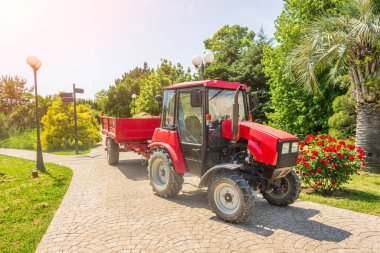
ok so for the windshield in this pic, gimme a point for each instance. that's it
(220, 104)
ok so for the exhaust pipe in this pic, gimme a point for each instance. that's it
(235, 114)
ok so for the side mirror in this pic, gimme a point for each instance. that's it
(196, 98)
(255, 100)
(158, 98)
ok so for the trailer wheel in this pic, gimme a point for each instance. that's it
(163, 179)
(230, 197)
(112, 152)
(287, 193)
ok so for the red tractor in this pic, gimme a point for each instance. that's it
(206, 129)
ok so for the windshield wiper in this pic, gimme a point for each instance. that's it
(216, 95)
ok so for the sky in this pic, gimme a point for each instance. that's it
(91, 42)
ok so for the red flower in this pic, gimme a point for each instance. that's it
(319, 170)
(326, 162)
(312, 157)
(360, 156)
(322, 144)
(314, 152)
(307, 164)
(363, 163)
(314, 186)
(345, 165)
(303, 173)
(309, 172)
(297, 172)
(332, 182)
(348, 173)
(351, 158)
(319, 183)
(352, 147)
(322, 160)
(342, 143)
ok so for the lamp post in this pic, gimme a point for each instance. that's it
(134, 102)
(35, 63)
(200, 61)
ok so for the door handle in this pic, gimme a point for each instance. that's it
(196, 149)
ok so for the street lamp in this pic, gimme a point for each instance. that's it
(134, 103)
(202, 61)
(35, 63)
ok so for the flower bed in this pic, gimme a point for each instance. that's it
(326, 164)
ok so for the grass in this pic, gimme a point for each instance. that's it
(23, 140)
(362, 195)
(27, 139)
(27, 204)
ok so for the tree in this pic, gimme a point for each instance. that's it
(292, 109)
(100, 100)
(58, 127)
(119, 95)
(350, 41)
(238, 58)
(165, 74)
(13, 93)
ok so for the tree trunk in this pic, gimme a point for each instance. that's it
(368, 134)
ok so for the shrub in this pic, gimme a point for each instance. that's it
(58, 127)
(342, 123)
(326, 164)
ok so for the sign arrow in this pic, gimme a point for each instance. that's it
(79, 90)
(66, 95)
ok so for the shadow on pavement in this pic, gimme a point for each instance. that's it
(266, 218)
(133, 169)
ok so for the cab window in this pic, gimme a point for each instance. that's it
(168, 105)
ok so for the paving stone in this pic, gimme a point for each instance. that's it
(113, 209)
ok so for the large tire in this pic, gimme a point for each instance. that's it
(287, 193)
(112, 152)
(163, 179)
(230, 197)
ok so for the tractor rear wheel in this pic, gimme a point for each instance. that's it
(112, 152)
(230, 197)
(287, 193)
(163, 179)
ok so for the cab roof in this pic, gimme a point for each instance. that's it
(207, 83)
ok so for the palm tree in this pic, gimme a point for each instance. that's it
(349, 43)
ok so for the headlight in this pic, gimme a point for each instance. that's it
(285, 148)
(294, 147)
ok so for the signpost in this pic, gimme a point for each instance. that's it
(68, 97)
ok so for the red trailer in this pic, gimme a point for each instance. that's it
(128, 134)
(206, 129)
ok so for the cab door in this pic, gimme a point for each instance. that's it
(191, 131)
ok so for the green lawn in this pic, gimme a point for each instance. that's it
(27, 204)
(27, 139)
(362, 195)
(23, 140)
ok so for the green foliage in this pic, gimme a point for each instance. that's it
(292, 109)
(28, 204)
(4, 126)
(58, 127)
(238, 58)
(119, 95)
(20, 140)
(326, 164)
(166, 74)
(13, 93)
(343, 122)
(100, 100)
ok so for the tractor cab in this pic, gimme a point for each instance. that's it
(196, 110)
(206, 130)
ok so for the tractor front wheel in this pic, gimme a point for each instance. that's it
(230, 197)
(285, 194)
(163, 179)
(112, 152)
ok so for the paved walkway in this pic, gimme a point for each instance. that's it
(113, 209)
